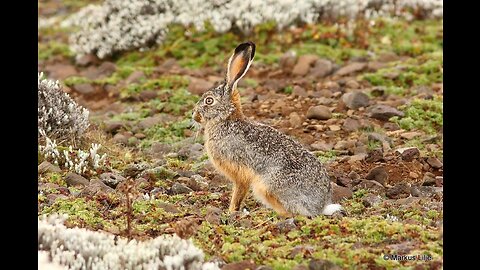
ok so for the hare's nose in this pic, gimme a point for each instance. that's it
(196, 117)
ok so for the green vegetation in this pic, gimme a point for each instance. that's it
(326, 156)
(167, 133)
(426, 115)
(52, 48)
(423, 70)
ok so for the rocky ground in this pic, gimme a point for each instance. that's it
(367, 101)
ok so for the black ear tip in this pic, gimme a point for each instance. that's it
(245, 46)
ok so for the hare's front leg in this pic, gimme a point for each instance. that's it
(239, 192)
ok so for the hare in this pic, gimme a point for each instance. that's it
(283, 175)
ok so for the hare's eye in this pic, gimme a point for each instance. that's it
(209, 100)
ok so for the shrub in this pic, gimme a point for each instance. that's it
(59, 116)
(82, 249)
(119, 25)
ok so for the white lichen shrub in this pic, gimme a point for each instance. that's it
(119, 25)
(76, 160)
(44, 262)
(59, 116)
(77, 248)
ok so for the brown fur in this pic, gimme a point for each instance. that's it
(242, 178)
(238, 114)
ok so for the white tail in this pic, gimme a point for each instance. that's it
(331, 208)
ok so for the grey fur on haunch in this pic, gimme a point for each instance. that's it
(282, 173)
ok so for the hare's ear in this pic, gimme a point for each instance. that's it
(239, 63)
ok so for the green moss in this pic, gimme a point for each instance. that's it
(288, 90)
(53, 48)
(73, 80)
(55, 178)
(167, 133)
(423, 70)
(80, 212)
(371, 145)
(426, 115)
(166, 83)
(326, 156)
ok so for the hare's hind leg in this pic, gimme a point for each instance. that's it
(277, 205)
(268, 198)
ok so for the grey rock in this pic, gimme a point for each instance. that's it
(399, 191)
(370, 185)
(213, 215)
(286, 225)
(178, 188)
(106, 69)
(73, 179)
(410, 135)
(391, 126)
(439, 181)
(351, 124)
(168, 207)
(147, 95)
(60, 71)
(113, 126)
(132, 170)
(151, 121)
(378, 174)
(428, 179)
(135, 77)
(86, 60)
(383, 112)
(84, 88)
(299, 91)
(301, 249)
(321, 69)
(356, 99)
(95, 187)
(46, 166)
(371, 200)
(159, 149)
(120, 138)
(374, 136)
(53, 197)
(159, 172)
(351, 68)
(409, 153)
(425, 192)
(288, 60)
(140, 136)
(375, 155)
(353, 175)
(344, 181)
(344, 145)
(352, 84)
(339, 193)
(111, 179)
(434, 162)
(319, 112)
(325, 93)
(303, 64)
(192, 152)
(322, 265)
(322, 146)
(295, 120)
(273, 84)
